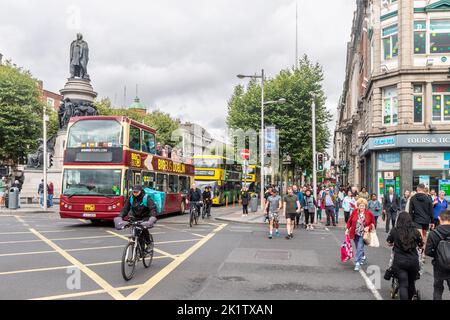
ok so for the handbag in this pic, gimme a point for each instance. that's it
(367, 237)
(374, 242)
(346, 249)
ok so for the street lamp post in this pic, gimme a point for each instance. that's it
(263, 103)
(45, 119)
(314, 150)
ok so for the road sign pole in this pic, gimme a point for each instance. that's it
(314, 151)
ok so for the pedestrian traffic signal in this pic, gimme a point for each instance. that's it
(320, 159)
(50, 160)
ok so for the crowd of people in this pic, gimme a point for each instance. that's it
(417, 225)
(50, 193)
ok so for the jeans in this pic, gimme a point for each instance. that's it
(330, 210)
(41, 201)
(376, 221)
(337, 214)
(390, 217)
(309, 217)
(346, 216)
(50, 200)
(245, 208)
(359, 244)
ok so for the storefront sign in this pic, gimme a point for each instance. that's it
(384, 142)
(389, 161)
(410, 140)
(389, 175)
(431, 160)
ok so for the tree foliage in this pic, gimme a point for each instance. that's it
(293, 119)
(162, 122)
(20, 114)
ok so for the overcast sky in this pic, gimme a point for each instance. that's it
(184, 54)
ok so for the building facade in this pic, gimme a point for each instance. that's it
(393, 127)
(51, 99)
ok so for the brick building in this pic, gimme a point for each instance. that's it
(393, 127)
(50, 98)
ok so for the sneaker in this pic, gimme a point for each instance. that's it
(357, 267)
(270, 236)
(291, 236)
(363, 260)
(277, 234)
(311, 227)
(288, 237)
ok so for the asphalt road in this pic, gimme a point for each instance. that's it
(44, 257)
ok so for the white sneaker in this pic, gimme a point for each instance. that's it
(311, 227)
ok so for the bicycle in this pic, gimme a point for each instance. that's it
(135, 250)
(194, 213)
(206, 207)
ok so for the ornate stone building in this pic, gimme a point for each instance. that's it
(393, 126)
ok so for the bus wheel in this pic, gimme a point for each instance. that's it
(183, 207)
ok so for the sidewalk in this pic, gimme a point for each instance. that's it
(27, 208)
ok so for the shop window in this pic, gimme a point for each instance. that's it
(420, 37)
(418, 103)
(441, 102)
(135, 138)
(439, 36)
(390, 42)
(390, 106)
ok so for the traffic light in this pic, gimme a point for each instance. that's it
(50, 160)
(320, 160)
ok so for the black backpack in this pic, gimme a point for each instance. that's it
(442, 255)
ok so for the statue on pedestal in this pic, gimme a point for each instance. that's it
(79, 58)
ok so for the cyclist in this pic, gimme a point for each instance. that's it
(207, 201)
(138, 207)
(194, 198)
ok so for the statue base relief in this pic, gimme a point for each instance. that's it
(77, 89)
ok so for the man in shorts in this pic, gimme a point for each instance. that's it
(422, 212)
(291, 209)
(273, 205)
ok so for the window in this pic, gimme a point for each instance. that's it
(420, 37)
(50, 102)
(148, 179)
(184, 184)
(161, 182)
(390, 42)
(148, 142)
(173, 184)
(135, 138)
(206, 163)
(95, 133)
(390, 103)
(439, 36)
(92, 182)
(418, 103)
(441, 102)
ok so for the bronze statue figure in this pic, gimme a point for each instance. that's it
(79, 58)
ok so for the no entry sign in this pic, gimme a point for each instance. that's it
(245, 154)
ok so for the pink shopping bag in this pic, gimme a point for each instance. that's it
(346, 250)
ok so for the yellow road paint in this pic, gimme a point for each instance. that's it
(84, 221)
(91, 274)
(147, 286)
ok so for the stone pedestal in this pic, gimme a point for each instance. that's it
(78, 90)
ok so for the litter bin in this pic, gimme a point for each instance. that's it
(254, 203)
(13, 198)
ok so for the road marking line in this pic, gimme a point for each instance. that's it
(155, 249)
(84, 221)
(153, 281)
(91, 274)
(59, 239)
(21, 221)
(184, 230)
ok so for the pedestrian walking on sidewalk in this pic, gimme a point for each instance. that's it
(404, 200)
(3, 187)
(361, 221)
(266, 197)
(245, 201)
(291, 207)
(273, 205)
(391, 206)
(349, 204)
(405, 239)
(375, 207)
(364, 194)
(439, 204)
(329, 202)
(421, 211)
(435, 244)
(299, 218)
(309, 205)
(41, 193)
(51, 192)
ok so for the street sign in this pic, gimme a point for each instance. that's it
(245, 154)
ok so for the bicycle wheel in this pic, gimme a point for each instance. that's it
(191, 218)
(128, 262)
(148, 256)
(196, 216)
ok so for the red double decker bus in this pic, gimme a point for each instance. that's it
(105, 156)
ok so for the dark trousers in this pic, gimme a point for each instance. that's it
(346, 216)
(330, 214)
(407, 283)
(376, 221)
(439, 286)
(309, 217)
(390, 218)
(245, 208)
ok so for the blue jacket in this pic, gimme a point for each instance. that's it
(439, 207)
(300, 197)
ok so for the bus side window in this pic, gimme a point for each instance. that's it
(184, 184)
(173, 184)
(135, 138)
(161, 182)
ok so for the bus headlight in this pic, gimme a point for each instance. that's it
(66, 206)
(114, 206)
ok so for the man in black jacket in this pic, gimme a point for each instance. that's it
(207, 201)
(422, 213)
(138, 207)
(194, 197)
(441, 233)
(391, 206)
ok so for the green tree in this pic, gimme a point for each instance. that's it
(293, 119)
(162, 122)
(20, 114)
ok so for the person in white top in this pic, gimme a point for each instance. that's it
(348, 204)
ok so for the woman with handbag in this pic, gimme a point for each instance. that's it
(359, 226)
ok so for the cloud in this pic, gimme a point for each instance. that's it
(183, 54)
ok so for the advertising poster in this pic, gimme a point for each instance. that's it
(444, 185)
(425, 180)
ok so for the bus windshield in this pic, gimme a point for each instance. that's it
(84, 182)
(206, 163)
(95, 133)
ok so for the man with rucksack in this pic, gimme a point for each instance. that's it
(422, 212)
(438, 247)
